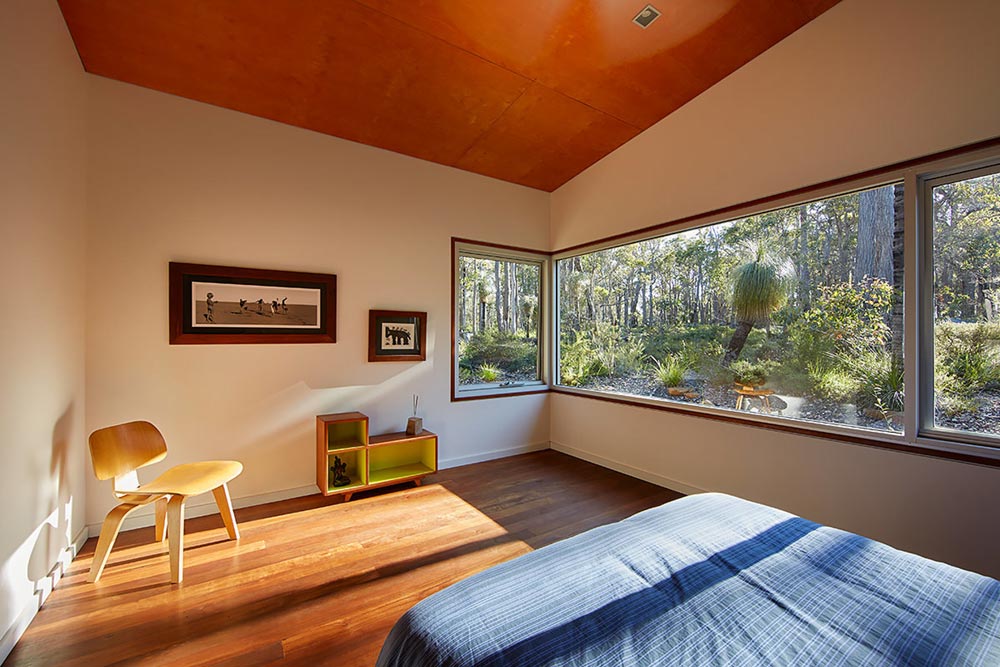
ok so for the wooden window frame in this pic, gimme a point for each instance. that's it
(466, 247)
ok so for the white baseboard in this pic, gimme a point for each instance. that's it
(43, 587)
(491, 455)
(143, 517)
(645, 475)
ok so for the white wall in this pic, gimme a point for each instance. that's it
(176, 180)
(870, 82)
(42, 215)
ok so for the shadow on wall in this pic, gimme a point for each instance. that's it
(55, 533)
(25, 571)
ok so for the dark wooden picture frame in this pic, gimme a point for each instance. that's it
(410, 345)
(198, 317)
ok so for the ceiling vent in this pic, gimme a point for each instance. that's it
(644, 18)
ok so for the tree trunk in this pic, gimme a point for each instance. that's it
(737, 342)
(804, 279)
(497, 293)
(463, 286)
(896, 316)
(631, 321)
(875, 234)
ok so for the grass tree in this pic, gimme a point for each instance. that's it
(760, 287)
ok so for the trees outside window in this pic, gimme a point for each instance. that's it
(790, 314)
(499, 300)
(965, 302)
(794, 313)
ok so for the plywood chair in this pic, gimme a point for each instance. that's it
(117, 452)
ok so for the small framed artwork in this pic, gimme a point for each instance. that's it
(397, 335)
(226, 304)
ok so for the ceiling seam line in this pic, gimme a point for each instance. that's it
(493, 123)
(442, 40)
(491, 62)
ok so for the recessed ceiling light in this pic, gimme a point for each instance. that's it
(648, 14)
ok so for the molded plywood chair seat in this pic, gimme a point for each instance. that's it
(117, 452)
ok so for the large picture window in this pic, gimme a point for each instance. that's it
(499, 312)
(794, 313)
(794, 317)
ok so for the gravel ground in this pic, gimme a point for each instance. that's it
(985, 420)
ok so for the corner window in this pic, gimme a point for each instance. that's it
(499, 315)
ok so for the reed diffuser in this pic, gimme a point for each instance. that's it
(414, 424)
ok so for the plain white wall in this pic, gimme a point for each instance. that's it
(42, 202)
(868, 83)
(176, 180)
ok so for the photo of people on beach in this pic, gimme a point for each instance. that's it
(220, 305)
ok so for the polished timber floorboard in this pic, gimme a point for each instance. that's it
(315, 581)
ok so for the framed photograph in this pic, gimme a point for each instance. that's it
(227, 305)
(397, 335)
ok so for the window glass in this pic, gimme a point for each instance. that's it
(795, 313)
(498, 321)
(966, 304)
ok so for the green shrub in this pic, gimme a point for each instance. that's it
(752, 373)
(844, 316)
(578, 361)
(662, 341)
(622, 357)
(490, 373)
(878, 376)
(510, 352)
(670, 371)
(605, 350)
(969, 353)
(835, 383)
(954, 395)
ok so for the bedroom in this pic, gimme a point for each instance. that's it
(117, 181)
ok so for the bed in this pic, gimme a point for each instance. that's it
(707, 580)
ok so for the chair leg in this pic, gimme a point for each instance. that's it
(175, 518)
(161, 519)
(225, 504)
(109, 533)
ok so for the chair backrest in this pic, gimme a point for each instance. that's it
(119, 450)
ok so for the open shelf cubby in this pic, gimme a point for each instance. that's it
(356, 460)
(398, 457)
(379, 460)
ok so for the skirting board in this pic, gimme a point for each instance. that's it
(143, 518)
(645, 475)
(43, 587)
(491, 455)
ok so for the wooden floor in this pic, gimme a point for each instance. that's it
(314, 581)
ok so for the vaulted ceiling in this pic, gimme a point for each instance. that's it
(528, 91)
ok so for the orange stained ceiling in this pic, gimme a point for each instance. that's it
(527, 91)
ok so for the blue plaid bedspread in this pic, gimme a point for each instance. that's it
(707, 580)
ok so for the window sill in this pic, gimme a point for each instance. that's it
(965, 452)
(477, 392)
